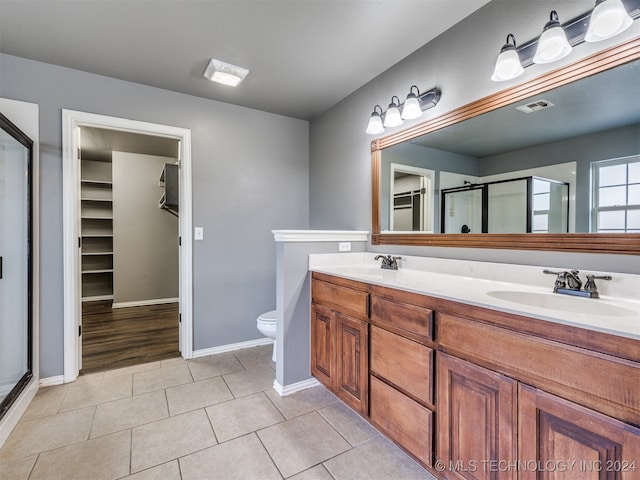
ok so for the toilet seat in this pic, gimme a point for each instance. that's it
(268, 317)
(266, 324)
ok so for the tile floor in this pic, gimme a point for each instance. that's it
(215, 417)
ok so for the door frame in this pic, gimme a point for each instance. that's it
(71, 121)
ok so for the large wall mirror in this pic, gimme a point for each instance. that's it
(550, 164)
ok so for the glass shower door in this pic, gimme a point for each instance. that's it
(15, 263)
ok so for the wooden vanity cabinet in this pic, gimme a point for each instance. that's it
(493, 414)
(340, 340)
(477, 420)
(554, 432)
(352, 362)
(516, 397)
(401, 368)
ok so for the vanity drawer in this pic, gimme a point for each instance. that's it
(348, 299)
(408, 320)
(404, 363)
(602, 382)
(405, 421)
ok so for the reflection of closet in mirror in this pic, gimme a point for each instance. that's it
(412, 190)
(521, 205)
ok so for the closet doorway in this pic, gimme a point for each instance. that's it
(129, 248)
(130, 263)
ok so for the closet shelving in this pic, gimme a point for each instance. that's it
(96, 230)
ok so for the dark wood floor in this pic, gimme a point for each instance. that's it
(121, 337)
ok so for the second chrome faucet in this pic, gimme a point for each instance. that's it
(568, 283)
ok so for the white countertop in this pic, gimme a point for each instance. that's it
(517, 289)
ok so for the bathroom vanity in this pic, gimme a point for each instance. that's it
(476, 386)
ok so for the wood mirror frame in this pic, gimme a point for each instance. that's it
(617, 243)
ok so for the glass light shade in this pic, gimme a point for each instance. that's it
(553, 45)
(392, 118)
(375, 124)
(608, 19)
(411, 108)
(508, 66)
(226, 78)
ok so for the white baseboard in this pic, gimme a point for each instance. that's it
(51, 381)
(231, 347)
(285, 390)
(142, 303)
(11, 418)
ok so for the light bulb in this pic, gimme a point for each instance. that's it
(553, 44)
(392, 118)
(508, 64)
(608, 19)
(411, 108)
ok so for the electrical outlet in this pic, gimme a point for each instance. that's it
(344, 246)
(198, 233)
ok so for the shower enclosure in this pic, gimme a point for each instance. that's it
(519, 205)
(16, 316)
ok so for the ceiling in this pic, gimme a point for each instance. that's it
(304, 56)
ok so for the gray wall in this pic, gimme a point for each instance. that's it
(145, 237)
(460, 63)
(250, 175)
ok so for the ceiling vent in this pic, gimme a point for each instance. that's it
(535, 106)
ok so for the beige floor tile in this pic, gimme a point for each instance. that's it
(255, 380)
(243, 458)
(255, 357)
(168, 439)
(316, 473)
(348, 423)
(302, 402)
(17, 469)
(166, 471)
(88, 378)
(96, 392)
(161, 378)
(377, 459)
(46, 402)
(192, 396)
(241, 416)
(129, 412)
(47, 433)
(214, 366)
(300, 443)
(172, 361)
(103, 458)
(132, 369)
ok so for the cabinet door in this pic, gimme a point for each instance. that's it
(352, 373)
(323, 353)
(560, 439)
(477, 421)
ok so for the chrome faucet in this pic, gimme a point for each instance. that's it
(569, 283)
(388, 262)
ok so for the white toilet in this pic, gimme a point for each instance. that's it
(266, 323)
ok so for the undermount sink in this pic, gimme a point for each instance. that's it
(554, 301)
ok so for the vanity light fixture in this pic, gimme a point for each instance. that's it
(607, 19)
(392, 118)
(508, 63)
(225, 73)
(375, 121)
(414, 105)
(553, 44)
